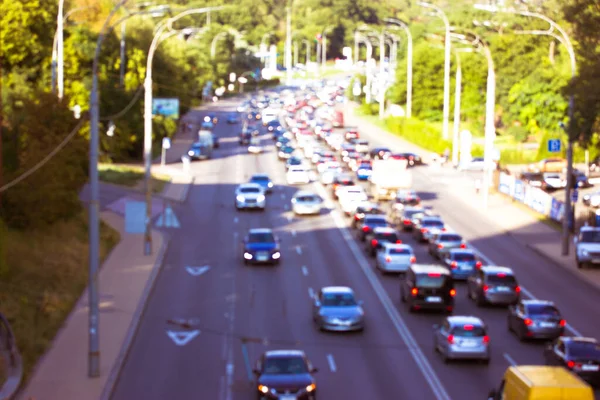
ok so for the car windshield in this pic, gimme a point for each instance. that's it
(433, 223)
(542, 309)
(285, 366)
(375, 221)
(468, 331)
(590, 237)
(501, 279)
(287, 149)
(411, 213)
(387, 236)
(262, 237)
(463, 257)
(365, 166)
(400, 251)
(306, 198)
(369, 210)
(260, 179)
(338, 300)
(249, 190)
(450, 238)
(434, 281)
(584, 350)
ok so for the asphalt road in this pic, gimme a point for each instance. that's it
(231, 307)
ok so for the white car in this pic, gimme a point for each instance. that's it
(328, 165)
(306, 203)
(476, 164)
(394, 257)
(255, 146)
(297, 175)
(250, 195)
(329, 174)
(361, 146)
(350, 197)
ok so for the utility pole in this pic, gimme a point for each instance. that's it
(60, 48)
(381, 75)
(288, 44)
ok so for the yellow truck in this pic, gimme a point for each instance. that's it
(525, 382)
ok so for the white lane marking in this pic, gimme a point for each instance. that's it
(311, 293)
(510, 360)
(331, 363)
(525, 291)
(235, 220)
(298, 250)
(290, 218)
(294, 233)
(304, 270)
(424, 366)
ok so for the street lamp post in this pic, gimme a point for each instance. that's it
(324, 56)
(295, 53)
(447, 46)
(307, 42)
(566, 41)
(409, 63)
(381, 74)
(60, 50)
(457, 104)
(213, 44)
(288, 44)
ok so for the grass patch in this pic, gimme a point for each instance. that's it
(46, 272)
(130, 176)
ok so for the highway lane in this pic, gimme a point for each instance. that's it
(231, 302)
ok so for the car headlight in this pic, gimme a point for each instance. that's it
(190, 153)
(294, 200)
(270, 184)
(584, 252)
(247, 256)
(240, 198)
(311, 387)
(260, 198)
(276, 255)
(263, 388)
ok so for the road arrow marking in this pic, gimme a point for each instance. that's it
(197, 271)
(182, 338)
(168, 219)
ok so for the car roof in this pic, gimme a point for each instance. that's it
(260, 176)
(458, 320)
(397, 246)
(284, 353)
(304, 193)
(337, 289)
(580, 339)
(441, 234)
(431, 218)
(260, 230)
(384, 229)
(462, 251)
(429, 268)
(532, 302)
(375, 216)
(589, 229)
(249, 185)
(493, 269)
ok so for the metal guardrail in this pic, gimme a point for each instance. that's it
(12, 360)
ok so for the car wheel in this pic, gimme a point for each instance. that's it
(521, 335)
(509, 325)
(445, 358)
(479, 301)
(485, 361)
(402, 298)
(245, 262)
(579, 265)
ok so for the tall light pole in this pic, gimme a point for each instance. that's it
(447, 47)
(60, 49)
(457, 104)
(307, 42)
(122, 54)
(564, 38)
(324, 49)
(409, 62)
(213, 44)
(263, 47)
(288, 44)
(295, 53)
(381, 74)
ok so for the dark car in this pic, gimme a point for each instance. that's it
(365, 209)
(285, 374)
(293, 161)
(379, 153)
(428, 287)
(407, 198)
(413, 159)
(282, 140)
(199, 151)
(426, 227)
(254, 116)
(535, 179)
(273, 127)
(577, 354)
(371, 222)
(213, 118)
(535, 319)
(245, 135)
(261, 246)
(493, 285)
(375, 239)
(285, 152)
(403, 217)
(580, 179)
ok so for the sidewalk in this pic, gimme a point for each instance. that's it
(125, 280)
(524, 224)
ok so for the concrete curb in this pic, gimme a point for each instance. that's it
(135, 321)
(186, 191)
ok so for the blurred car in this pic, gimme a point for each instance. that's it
(341, 180)
(282, 141)
(407, 197)
(587, 246)
(361, 146)
(285, 152)
(580, 179)
(375, 239)
(233, 118)
(394, 257)
(462, 263)
(366, 208)
(198, 151)
(535, 179)
(591, 199)
(579, 355)
(477, 164)
(442, 242)
(462, 337)
(261, 246)
(264, 181)
(335, 308)
(549, 165)
(328, 176)
(281, 373)
(426, 227)
(370, 222)
(402, 217)
(297, 175)
(350, 197)
(493, 285)
(413, 159)
(428, 287)
(330, 164)
(250, 195)
(293, 161)
(379, 153)
(212, 117)
(306, 203)
(553, 181)
(351, 133)
(255, 146)
(535, 319)
(364, 171)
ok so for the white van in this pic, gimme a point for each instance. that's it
(298, 174)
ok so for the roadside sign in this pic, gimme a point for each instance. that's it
(575, 195)
(166, 143)
(554, 145)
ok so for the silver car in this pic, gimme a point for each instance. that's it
(442, 242)
(250, 195)
(305, 202)
(535, 319)
(395, 258)
(335, 308)
(493, 285)
(462, 337)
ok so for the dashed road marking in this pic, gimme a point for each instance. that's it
(508, 358)
(304, 270)
(311, 293)
(298, 250)
(331, 363)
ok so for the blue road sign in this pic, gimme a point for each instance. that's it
(135, 217)
(554, 145)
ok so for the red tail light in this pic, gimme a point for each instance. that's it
(528, 322)
(366, 229)
(478, 264)
(443, 229)
(486, 339)
(414, 291)
(413, 259)
(562, 322)
(468, 327)
(463, 246)
(486, 288)
(573, 365)
(406, 222)
(452, 292)
(500, 274)
(440, 246)
(423, 230)
(398, 241)
(374, 242)
(450, 339)
(517, 289)
(356, 217)
(388, 259)
(434, 275)
(454, 264)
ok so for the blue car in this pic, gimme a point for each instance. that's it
(363, 172)
(462, 263)
(264, 181)
(261, 246)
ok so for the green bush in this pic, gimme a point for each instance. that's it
(421, 133)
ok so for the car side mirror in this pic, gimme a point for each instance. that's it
(313, 370)
(255, 371)
(436, 326)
